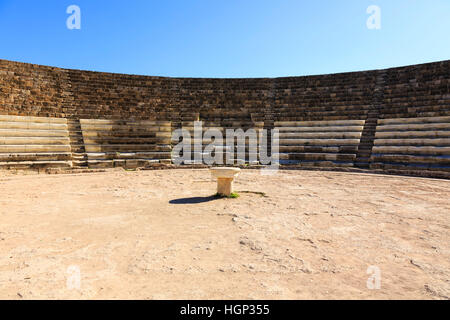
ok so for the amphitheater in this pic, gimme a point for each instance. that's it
(363, 181)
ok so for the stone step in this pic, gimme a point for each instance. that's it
(10, 157)
(400, 158)
(33, 125)
(318, 135)
(34, 148)
(367, 135)
(76, 143)
(34, 140)
(413, 134)
(226, 124)
(27, 119)
(319, 142)
(128, 155)
(319, 149)
(124, 163)
(362, 165)
(417, 120)
(362, 155)
(35, 164)
(321, 129)
(414, 127)
(79, 155)
(409, 167)
(32, 133)
(319, 123)
(131, 127)
(366, 140)
(444, 142)
(127, 134)
(125, 140)
(79, 164)
(125, 148)
(367, 146)
(125, 122)
(317, 164)
(317, 156)
(411, 150)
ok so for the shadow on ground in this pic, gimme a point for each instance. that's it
(194, 200)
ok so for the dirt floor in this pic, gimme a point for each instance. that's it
(158, 235)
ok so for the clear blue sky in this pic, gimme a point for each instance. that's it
(225, 38)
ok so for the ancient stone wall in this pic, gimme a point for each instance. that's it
(369, 97)
(417, 91)
(26, 89)
(32, 90)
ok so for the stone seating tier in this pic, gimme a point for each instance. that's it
(249, 154)
(412, 143)
(319, 143)
(34, 142)
(420, 91)
(112, 143)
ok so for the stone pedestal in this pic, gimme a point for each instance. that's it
(225, 177)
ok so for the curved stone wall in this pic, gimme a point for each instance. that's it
(27, 89)
(396, 93)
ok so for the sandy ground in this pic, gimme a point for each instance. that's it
(157, 235)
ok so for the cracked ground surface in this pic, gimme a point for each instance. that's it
(158, 235)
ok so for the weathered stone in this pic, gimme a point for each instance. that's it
(225, 177)
(412, 101)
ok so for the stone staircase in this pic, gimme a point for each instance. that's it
(79, 156)
(368, 135)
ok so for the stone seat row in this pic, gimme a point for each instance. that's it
(304, 112)
(250, 154)
(319, 143)
(421, 143)
(421, 107)
(112, 143)
(34, 142)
